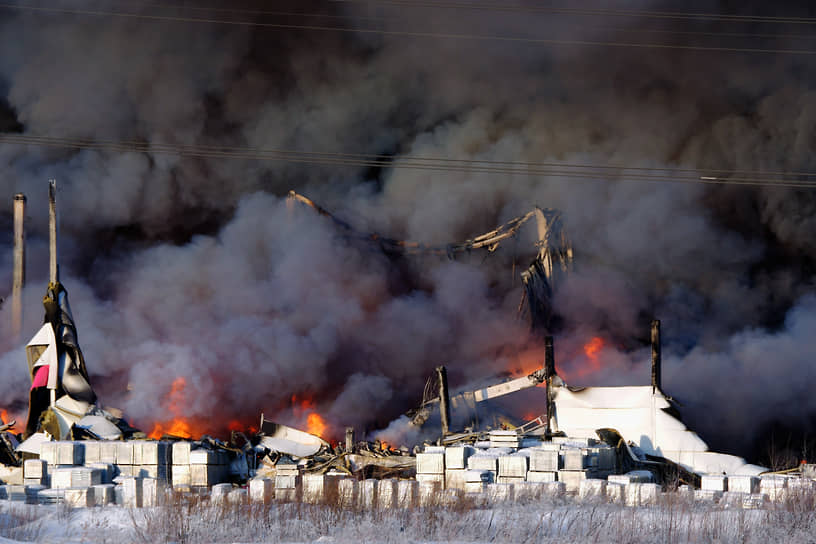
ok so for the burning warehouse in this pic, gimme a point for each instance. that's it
(583, 439)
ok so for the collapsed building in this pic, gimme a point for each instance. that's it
(615, 441)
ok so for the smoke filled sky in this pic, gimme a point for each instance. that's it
(191, 264)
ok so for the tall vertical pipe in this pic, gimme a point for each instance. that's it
(52, 231)
(19, 265)
(349, 439)
(549, 372)
(656, 358)
(444, 399)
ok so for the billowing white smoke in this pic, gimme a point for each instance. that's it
(192, 267)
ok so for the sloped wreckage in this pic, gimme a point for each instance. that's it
(640, 423)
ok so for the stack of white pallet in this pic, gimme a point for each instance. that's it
(287, 481)
(505, 439)
(430, 467)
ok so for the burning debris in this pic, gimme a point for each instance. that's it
(611, 441)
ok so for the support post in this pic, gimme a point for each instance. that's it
(349, 439)
(656, 358)
(549, 373)
(444, 399)
(53, 276)
(19, 265)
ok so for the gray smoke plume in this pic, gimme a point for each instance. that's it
(193, 267)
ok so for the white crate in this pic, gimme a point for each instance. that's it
(48, 452)
(35, 468)
(544, 460)
(574, 459)
(368, 493)
(203, 457)
(157, 472)
(592, 489)
(483, 462)
(206, 475)
(319, 488)
(705, 495)
(79, 497)
(387, 493)
(500, 492)
(70, 453)
(438, 479)
(131, 492)
(287, 481)
(237, 496)
(103, 494)
(181, 453)
(152, 492)
(513, 466)
(743, 484)
(455, 479)
(407, 493)
(124, 453)
(261, 490)
(713, 482)
(180, 475)
(107, 452)
(456, 457)
(348, 490)
(85, 476)
(219, 492)
(615, 492)
(572, 478)
(61, 478)
(92, 451)
(483, 476)
(156, 453)
(541, 477)
(430, 463)
(428, 493)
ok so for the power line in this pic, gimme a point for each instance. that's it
(408, 34)
(442, 164)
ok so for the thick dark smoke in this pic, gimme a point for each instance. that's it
(194, 267)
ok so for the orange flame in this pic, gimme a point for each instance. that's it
(6, 417)
(592, 350)
(179, 425)
(315, 424)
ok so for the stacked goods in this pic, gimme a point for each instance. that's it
(428, 493)
(714, 482)
(35, 472)
(505, 439)
(592, 489)
(456, 459)
(743, 484)
(154, 460)
(79, 497)
(207, 467)
(103, 494)
(219, 492)
(773, 486)
(636, 476)
(261, 490)
(484, 461)
(368, 493)
(287, 481)
(348, 492)
(180, 471)
(387, 493)
(407, 493)
(430, 467)
(476, 480)
(319, 488)
(513, 468)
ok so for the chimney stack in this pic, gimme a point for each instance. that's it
(549, 357)
(656, 363)
(19, 265)
(444, 400)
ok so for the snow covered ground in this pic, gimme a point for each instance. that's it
(560, 519)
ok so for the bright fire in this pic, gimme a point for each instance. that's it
(592, 350)
(6, 417)
(178, 425)
(315, 424)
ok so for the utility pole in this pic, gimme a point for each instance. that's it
(19, 265)
(53, 276)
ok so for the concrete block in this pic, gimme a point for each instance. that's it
(152, 492)
(542, 460)
(156, 453)
(319, 488)
(127, 471)
(475, 487)
(181, 453)
(527, 491)
(513, 466)
(85, 476)
(261, 490)
(203, 457)
(44, 481)
(387, 493)
(481, 476)
(368, 494)
(500, 492)
(430, 463)
(455, 478)
(707, 495)
(131, 492)
(79, 497)
(219, 492)
(572, 478)
(574, 459)
(714, 482)
(743, 484)
(436, 478)
(287, 482)
(61, 478)
(456, 457)
(575, 442)
(237, 496)
(157, 472)
(773, 486)
(480, 461)
(124, 453)
(615, 492)
(407, 493)
(48, 452)
(649, 493)
(509, 480)
(348, 492)
(634, 477)
(70, 453)
(429, 493)
(92, 451)
(180, 475)
(107, 452)
(592, 489)
(35, 468)
(206, 475)
(289, 494)
(50, 496)
(540, 477)
(103, 494)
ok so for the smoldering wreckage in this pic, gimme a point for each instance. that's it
(623, 443)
